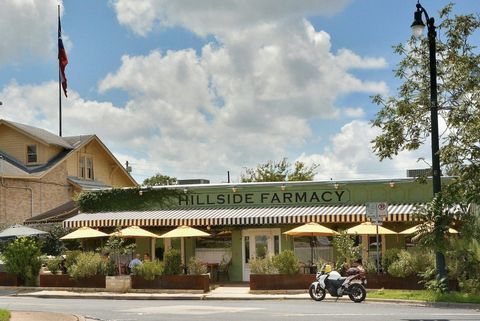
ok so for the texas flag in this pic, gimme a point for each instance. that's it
(62, 58)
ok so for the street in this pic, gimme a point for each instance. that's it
(129, 310)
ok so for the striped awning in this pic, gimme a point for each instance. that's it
(238, 216)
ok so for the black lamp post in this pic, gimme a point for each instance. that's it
(417, 30)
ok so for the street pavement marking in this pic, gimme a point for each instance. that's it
(189, 309)
(376, 314)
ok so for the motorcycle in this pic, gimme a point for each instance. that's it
(338, 286)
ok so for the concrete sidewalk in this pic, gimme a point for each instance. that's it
(219, 293)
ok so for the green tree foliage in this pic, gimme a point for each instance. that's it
(22, 258)
(405, 119)
(52, 244)
(280, 171)
(345, 248)
(172, 262)
(149, 269)
(286, 263)
(88, 264)
(159, 180)
(117, 246)
(124, 199)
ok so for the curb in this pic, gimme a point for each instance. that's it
(251, 298)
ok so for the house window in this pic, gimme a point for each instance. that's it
(89, 166)
(31, 153)
(85, 166)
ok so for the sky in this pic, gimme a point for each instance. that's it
(193, 89)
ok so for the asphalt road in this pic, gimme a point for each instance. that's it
(253, 310)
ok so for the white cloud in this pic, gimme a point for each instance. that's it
(349, 156)
(354, 112)
(240, 102)
(27, 30)
(246, 99)
(216, 16)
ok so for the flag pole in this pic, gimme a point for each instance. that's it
(59, 84)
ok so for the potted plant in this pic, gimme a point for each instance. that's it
(171, 278)
(88, 271)
(281, 272)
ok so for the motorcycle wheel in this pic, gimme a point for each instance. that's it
(357, 293)
(316, 295)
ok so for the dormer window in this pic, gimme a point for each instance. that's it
(86, 167)
(31, 154)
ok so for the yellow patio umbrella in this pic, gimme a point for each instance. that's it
(311, 229)
(416, 229)
(134, 231)
(369, 228)
(84, 233)
(184, 231)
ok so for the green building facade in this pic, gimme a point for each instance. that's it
(248, 220)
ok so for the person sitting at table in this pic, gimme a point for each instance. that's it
(133, 263)
(146, 257)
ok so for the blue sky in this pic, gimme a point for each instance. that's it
(193, 89)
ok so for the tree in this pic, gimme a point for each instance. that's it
(405, 123)
(281, 171)
(22, 259)
(404, 119)
(159, 179)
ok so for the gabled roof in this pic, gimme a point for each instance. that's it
(39, 134)
(76, 141)
(11, 167)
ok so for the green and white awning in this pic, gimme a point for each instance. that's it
(239, 216)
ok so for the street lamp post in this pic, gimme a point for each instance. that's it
(417, 30)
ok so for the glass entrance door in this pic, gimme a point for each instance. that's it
(258, 244)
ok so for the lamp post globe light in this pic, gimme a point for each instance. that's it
(417, 30)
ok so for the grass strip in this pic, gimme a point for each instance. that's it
(423, 295)
(4, 315)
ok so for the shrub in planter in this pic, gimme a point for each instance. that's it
(88, 264)
(149, 269)
(172, 262)
(286, 263)
(195, 267)
(22, 258)
(411, 263)
(71, 258)
(390, 256)
(54, 264)
(262, 266)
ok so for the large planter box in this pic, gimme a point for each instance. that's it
(174, 282)
(378, 281)
(8, 279)
(280, 281)
(65, 281)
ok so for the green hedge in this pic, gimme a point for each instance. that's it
(118, 199)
